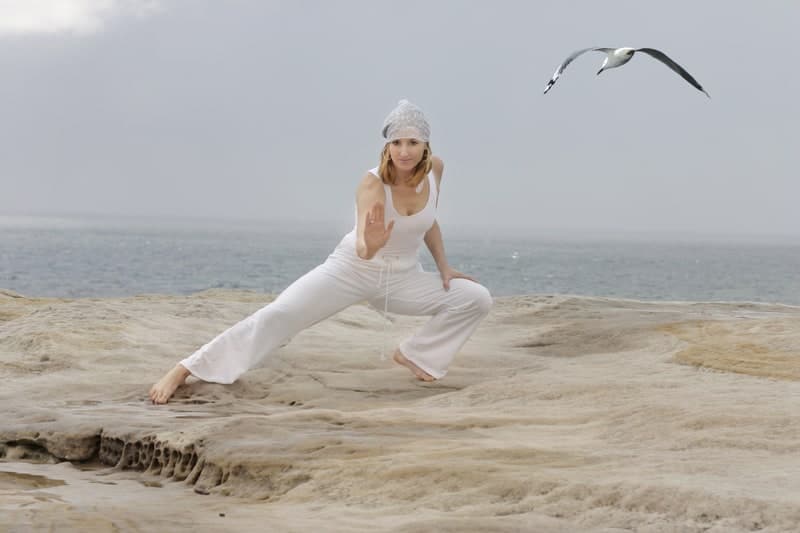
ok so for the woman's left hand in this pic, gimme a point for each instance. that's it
(451, 273)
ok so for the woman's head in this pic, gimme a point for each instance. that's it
(407, 149)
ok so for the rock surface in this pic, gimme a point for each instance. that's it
(561, 414)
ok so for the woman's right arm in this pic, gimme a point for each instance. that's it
(371, 232)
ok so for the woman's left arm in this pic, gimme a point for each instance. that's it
(434, 241)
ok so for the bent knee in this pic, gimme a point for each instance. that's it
(483, 299)
(476, 296)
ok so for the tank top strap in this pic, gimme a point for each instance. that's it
(386, 188)
(434, 188)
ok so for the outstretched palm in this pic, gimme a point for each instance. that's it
(376, 233)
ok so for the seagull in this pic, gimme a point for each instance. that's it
(616, 57)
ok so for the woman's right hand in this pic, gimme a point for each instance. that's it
(376, 233)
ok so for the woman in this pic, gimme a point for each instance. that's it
(377, 262)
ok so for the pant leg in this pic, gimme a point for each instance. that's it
(455, 315)
(320, 293)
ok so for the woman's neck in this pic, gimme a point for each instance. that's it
(401, 178)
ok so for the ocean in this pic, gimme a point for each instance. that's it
(100, 257)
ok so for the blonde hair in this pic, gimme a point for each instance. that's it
(388, 173)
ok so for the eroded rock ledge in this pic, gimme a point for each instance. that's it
(147, 454)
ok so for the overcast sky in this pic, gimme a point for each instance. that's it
(272, 110)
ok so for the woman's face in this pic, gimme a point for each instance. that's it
(406, 153)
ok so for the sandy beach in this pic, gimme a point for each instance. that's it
(562, 413)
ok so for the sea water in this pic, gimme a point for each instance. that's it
(118, 256)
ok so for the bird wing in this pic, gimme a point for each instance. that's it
(569, 60)
(661, 56)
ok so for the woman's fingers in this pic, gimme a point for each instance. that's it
(375, 214)
(454, 275)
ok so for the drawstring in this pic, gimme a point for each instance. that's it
(389, 268)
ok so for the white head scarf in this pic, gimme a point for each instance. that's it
(406, 121)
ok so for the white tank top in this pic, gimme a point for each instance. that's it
(408, 234)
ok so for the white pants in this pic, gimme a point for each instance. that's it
(335, 285)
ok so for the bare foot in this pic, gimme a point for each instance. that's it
(420, 374)
(162, 391)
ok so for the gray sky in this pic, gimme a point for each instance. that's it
(272, 110)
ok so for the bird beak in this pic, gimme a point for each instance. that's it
(599, 71)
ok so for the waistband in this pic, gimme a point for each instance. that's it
(400, 262)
